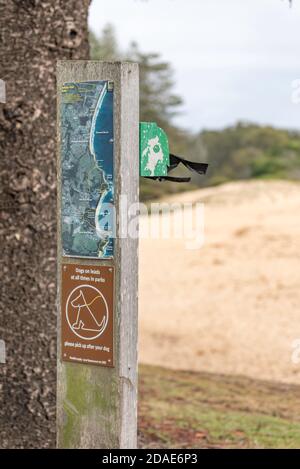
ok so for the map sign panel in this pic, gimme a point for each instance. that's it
(87, 314)
(87, 169)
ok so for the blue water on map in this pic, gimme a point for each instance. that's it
(104, 150)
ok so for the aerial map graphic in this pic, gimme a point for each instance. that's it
(87, 143)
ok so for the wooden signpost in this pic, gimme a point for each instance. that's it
(98, 165)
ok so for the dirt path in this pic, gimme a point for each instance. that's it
(232, 306)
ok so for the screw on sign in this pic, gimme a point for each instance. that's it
(87, 319)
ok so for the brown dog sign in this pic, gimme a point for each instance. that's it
(87, 314)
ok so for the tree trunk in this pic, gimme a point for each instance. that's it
(34, 34)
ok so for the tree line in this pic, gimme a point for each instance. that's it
(242, 151)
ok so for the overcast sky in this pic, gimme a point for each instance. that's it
(232, 59)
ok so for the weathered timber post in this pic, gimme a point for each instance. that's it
(98, 165)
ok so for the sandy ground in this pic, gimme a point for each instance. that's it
(232, 306)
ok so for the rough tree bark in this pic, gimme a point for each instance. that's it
(33, 35)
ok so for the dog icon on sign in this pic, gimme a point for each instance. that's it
(87, 312)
